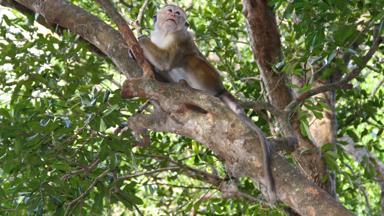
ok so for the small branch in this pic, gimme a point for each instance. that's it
(86, 169)
(141, 12)
(333, 86)
(147, 173)
(377, 88)
(259, 105)
(317, 74)
(128, 36)
(75, 201)
(360, 153)
(226, 188)
(125, 3)
(257, 78)
(182, 186)
(192, 172)
(382, 196)
(229, 189)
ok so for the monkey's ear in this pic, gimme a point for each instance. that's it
(154, 19)
(186, 24)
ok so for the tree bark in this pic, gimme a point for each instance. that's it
(266, 47)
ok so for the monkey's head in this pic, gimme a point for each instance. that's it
(171, 18)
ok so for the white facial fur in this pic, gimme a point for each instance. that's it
(162, 40)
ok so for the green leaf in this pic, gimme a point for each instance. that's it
(103, 126)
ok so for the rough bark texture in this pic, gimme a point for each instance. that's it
(89, 28)
(219, 129)
(266, 46)
(128, 36)
(230, 139)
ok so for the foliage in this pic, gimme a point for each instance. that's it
(59, 110)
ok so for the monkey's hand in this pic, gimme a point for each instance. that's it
(158, 57)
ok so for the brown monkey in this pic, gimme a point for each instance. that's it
(173, 53)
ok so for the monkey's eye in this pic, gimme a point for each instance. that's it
(177, 13)
(170, 10)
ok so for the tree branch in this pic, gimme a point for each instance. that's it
(89, 27)
(376, 89)
(126, 177)
(259, 105)
(228, 139)
(74, 202)
(228, 189)
(362, 153)
(128, 36)
(141, 12)
(86, 169)
(336, 85)
(266, 47)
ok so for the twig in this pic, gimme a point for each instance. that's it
(332, 86)
(75, 201)
(128, 36)
(137, 209)
(257, 78)
(377, 88)
(192, 172)
(365, 195)
(182, 186)
(125, 3)
(141, 12)
(82, 170)
(212, 179)
(147, 173)
(316, 74)
(360, 153)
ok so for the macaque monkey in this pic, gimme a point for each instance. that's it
(175, 57)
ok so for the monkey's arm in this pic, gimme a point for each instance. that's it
(159, 58)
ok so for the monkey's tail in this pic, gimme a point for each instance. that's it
(232, 103)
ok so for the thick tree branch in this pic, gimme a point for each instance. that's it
(266, 47)
(128, 36)
(89, 27)
(228, 138)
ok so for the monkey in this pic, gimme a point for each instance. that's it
(176, 58)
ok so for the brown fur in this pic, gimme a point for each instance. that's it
(173, 53)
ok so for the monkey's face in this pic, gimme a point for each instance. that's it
(171, 18)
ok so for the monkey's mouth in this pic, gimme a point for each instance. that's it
(171, 19)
